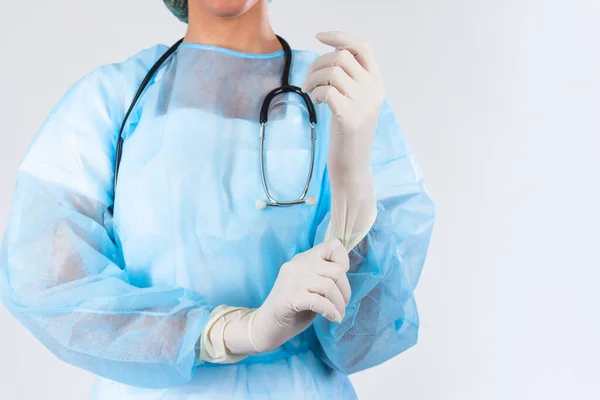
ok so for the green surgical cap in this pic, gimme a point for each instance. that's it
(179, 8)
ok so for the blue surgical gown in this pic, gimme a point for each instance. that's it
(129, 302)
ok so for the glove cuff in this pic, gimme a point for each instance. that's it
(213, 347)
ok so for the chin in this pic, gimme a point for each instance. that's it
(227, 8)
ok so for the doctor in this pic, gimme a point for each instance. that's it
(197, 294)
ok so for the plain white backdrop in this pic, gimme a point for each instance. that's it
(501, 104)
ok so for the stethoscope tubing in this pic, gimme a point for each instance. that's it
(263, 119)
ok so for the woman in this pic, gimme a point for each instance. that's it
(191, 292)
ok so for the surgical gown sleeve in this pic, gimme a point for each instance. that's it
(381, 319)
(62, 276)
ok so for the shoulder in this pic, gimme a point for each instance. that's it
(136, 64)
(304, 58)
(124, 75)
(109, 87)
(301, 62)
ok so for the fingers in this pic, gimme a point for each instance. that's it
(332, 97)
(337, 274)
(319, 275)
(331, 76)
(339, 58)
(359, 48)
(328, 288)
(320, 305)
(334, 251)
(336, 264)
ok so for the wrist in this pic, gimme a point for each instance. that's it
(356, 183)
(353, 207)
(237, 331)
(350, 177)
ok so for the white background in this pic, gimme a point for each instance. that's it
(501, 103)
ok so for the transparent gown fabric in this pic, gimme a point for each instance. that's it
(189, 237)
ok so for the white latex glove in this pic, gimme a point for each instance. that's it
(312, 283)
(348, 81)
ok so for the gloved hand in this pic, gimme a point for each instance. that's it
(348, 81)
(311, 283)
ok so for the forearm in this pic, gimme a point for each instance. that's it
(311, 283)
(353, 205)
(381, 319)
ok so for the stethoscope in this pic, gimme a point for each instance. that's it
(284, 88)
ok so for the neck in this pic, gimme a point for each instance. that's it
(250, 32)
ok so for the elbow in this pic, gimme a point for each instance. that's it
(370, 351)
